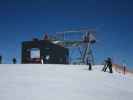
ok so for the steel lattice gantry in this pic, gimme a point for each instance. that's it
(83, 44)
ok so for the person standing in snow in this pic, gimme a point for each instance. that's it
(89, 64)
(108, 64)
(14, 60)
(0, 59)
(105, 65)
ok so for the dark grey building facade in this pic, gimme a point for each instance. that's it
(37, 50)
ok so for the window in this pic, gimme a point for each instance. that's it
(35, 53)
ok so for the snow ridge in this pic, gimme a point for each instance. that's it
(62, 82)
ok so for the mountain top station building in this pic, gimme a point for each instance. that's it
(38, 51)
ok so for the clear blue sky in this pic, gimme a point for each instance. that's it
(24, 19)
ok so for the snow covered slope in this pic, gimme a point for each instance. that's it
(62, 82)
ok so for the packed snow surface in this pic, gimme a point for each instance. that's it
(62, 82)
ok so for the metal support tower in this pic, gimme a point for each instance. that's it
(87, 54)
(83, 45)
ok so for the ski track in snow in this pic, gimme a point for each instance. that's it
(62, 82)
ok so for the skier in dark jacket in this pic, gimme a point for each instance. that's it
(105, 65)
(14, 60)
(108, 64)
(89, 64)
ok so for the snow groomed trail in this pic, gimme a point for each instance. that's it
(62, 82)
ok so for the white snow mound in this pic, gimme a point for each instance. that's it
(62, 82)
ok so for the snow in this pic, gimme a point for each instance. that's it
(62, 82)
